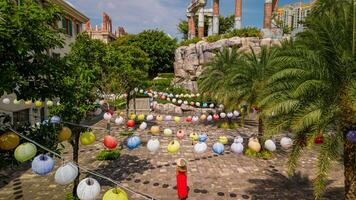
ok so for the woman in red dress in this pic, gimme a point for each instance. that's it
(182, 186)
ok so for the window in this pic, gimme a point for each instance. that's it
(77, 28)
(67, 26)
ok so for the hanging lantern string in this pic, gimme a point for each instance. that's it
(146, 196)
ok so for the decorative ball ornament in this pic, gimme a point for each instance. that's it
(133, 142)
(119, 120)
(200, 147)
(254, 144)
(42, 164)
(179, 101)
(221, 106)
(180, 134)
(286, 142)
(194, 136)
(212, 105)
(205, 105)
(215, 117)
(87, 138)
(351, 136)
(159, 118)
(189, 119)
(237, 147)
(167, 132)
(209, 118)
(64, 134)
(110, 142)
(203, 117)
(222, 115)
(130, 123)
(174, 100)
(185, 102)
(202, 137)
(155, 130)
(197, 104)
(55, 120)
(319, 139)
(239, 139)
(173, 146)
(141, 117)
(168, 99)
(143, 126)
(17, 102)
(115, 194)
(141, 91)
(9, 141)
(38, 104)
(66, 174)
(195, 119)
(153, 145)
(168, 118)
(270, 145)
(25, 152)
(230, 115)
(88, 189)
(6, 101)
(107, 116)
(236, 113)
(218, 148)
(28, 103)
(149, 117)
(223, 140)
(132, 116)
(192, 103)
(177, 119)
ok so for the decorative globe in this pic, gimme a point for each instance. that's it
(42, 164)
(132, 116)
(239, 139)
(110, 142)
(203, 117)
(64, 134)
(223, 140)
(174, 100)
(6, 101)
(200, 147)
(180, 101)
(230, 115)
(119, 120)
(143, 126)
(197, 104)
(88, 189)
(66, 174)
(215, 117)
(168, 118)
(87, 138)
(270, 145)
(9, 141)
(192, 103)
(212, 105)
(115, 194)
(149, 117)
(107, 116)
(351, 136)
(28, 103)
(133, 142)
(222, 115)
(205, 105)
(254, 144)
(319, 139)
(194, 136)
(153, 145)
(286, 142)
(159, 118)
(177, 119)
(189, 119)
(130, 123)
(195, 119)
(38, 103)
(185, 102)
(209, 118)
(202, 137)
(236, 113)
(141, 117)
(218, 148)
(167, 132)
(16, 102)
(237, 147)
(25, 152)
(180, 134)
(55, 120)
(155, 130)
(173, 146)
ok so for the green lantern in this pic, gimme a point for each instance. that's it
(116, 193)
(25, 152)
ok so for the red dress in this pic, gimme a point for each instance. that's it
(182, 187)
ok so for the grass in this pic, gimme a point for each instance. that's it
(108, 155)
(191, 41)
(262, 154)
(69, 196)
(227, 125)
(213, 38)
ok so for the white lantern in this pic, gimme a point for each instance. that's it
(141, 91)
(200, 147)
(185, 102)
(286, 142)
(212, 105)
(236, 113)
(107, 116)
(221, 106)
(198, 95)
(179, 101)
(197, 104)
(153, 145)
(239, 139)
(88, 189)
(136, 89)
(230, 115)
(143, 125)
(149, 117)
(269, 145)
(49, 103)
(168, 118)
(168, 99)
(222, 115)
(237, 147)
(209, 118)
(174, 100)
(119, 120)
(195, 119)
(6, 101)
(167, 132)
(66, 174)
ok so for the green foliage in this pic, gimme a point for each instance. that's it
(166, 75)
(227, 125)
(69, 196)
(190, 41)
(183, 28)
(226, 24)
(262, 154)
(245, 32)
(213, 38)
(108, 155)
(126, 133)
(119, 103)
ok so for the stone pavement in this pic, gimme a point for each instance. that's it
(210, 176)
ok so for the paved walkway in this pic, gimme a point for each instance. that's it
(210, 176)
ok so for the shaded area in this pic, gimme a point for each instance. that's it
(298, 186)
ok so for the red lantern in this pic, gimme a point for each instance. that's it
(189, 119)
(110, 142)
(319, 139)
(130, 123)
(110, 111)
(163, 97)
(215, 117)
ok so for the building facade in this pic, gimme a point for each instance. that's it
(291, 15)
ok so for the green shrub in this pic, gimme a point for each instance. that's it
(108, 155)
(262, 154)
(166, 75)
(213, 38)
(245, 32)
(118, 103)
(69, 196)
(191, 41)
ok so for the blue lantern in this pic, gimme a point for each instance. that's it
(133, 142)
(42, 164)
(55, 120)
(202, 137)
(205, 105)
(218, 148)
(45, 122)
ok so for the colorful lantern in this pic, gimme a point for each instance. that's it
(87, 138)
(223, 140)
(202, 137)
(180, 134)
(174, 100)
(167, 132)
(177, 119)
(218, 148)
(189, 119)
(28, 103)
(215, 117)
(143, 126)
(168, 118)
(64, 134)
(237, 147)
(195, 119)
(319, 139)
(209, 118)
(155, 130)
(236, 113)
(130, 123)
(270, 145)
(212, 105)
(141, 117)
(203, 117)
(173, 146)
(197, 104)
(16, 102)
(254, 144)
(25, 152)
(351, 136)
(192, 103)
(66, 174)
(179, 101)
(110, 142)
(149, 117)
(9, 141)
(119, 120)
(286, 142)
(185, 102)
(115, 194)
(38, 103)
(88, 189)
(230, 115)
(55, 120)
(107, 116)
(6, 101)
(153, 145)
(205, 105)
(159, 118)
(200, 147)
(222, 115)
(194, 136)
(132, 116)
(239, 139)
(133, 142)
(42, 164)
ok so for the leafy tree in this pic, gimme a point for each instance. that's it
(183, 29)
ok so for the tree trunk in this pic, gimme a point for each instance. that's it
(260, 126)
(134, 103)
(350, 169)
(127, 105)
(75, 146)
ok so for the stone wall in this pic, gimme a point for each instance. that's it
(189, 60)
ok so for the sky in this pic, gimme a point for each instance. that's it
(138, 15)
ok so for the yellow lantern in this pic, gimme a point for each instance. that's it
(177, 119)
(64, 134)
(132, 116)
(87, 138)
(159, 118)
(117, 194)
(202, 117)
(28, 102)
(173, 146)
(223, 140)
(155, 130)
(254, 144)
(38, 103)
(141, 117)
(194, 136)
(9, 140)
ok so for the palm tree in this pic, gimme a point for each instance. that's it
(313, 92)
